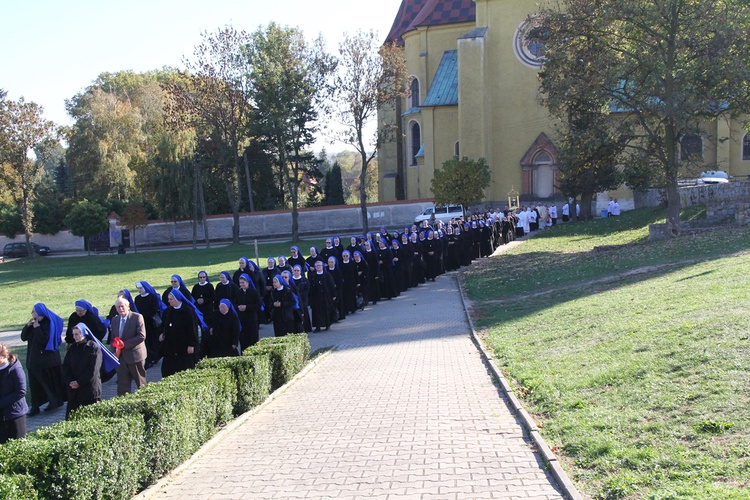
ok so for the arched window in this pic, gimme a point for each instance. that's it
(455, 150)
(746, 148)
(691, 147)
(416, 142)
(414, 92)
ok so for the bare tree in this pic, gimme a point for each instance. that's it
(370, 76)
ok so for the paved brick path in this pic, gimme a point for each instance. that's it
(404, 408)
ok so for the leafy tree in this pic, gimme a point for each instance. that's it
(10, 220)
(86, 219)
(288, 84)
(461, 181)
(665, 66)
(334, 187)
(216, 94)
(134, 217)
(371, 76)
(23, 133)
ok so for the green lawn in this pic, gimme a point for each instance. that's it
(59, 282)
(635, 361)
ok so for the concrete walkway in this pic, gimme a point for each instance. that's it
(403, 408)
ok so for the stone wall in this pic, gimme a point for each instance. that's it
(341, 220)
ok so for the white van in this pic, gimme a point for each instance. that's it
(444, 214)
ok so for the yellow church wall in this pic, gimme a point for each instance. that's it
(516, 118)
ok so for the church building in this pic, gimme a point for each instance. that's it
(474, 93)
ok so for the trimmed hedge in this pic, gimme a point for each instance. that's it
(252, 374)
(86, 458)
(180, 413)
(17, 487)
(288, 355)
(114, 448)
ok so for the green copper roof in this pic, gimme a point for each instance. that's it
(444, 88)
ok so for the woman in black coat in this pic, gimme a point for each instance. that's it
(452, 251)
(407, 260)
(282, 304)
(12, 397)
(224, 333)
(248, 305)
(151, 307)
(418, 265)
(363, 281)
(89, 315)
(177, 284)
(398, 266)
(81, 367)
(349, 286)
(385, 260)
(204, 295)
(225, 289)
(432, 249)
(322, 297)
(373, 284)
(296, 259)
(43, 333)
(180, 336)
(303, 293)
(338, 280)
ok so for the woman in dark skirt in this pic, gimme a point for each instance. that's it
(407, 260)
(373, 285)
(388, 281)
(204, 294)
(43, 333)
(303, 293)
(322, 297)
(224, 333)
(418, 266)
(225, 289)
(182, 324)
(282, 302)
(363, 281)
(296, 259)
(338, 279)
(151, 307)
(398, 266)
(349, 287)
(249, 305)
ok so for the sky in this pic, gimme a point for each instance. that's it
(53, 49)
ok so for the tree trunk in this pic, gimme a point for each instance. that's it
(673, 209)
(195, 205)
(203, 212)
(363, 192)
(249, 182)
(586, 206)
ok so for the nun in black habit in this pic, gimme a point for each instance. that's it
(322, 297)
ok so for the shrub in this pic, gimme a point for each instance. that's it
(18, 487)
(84, 458)
(252, 374)
(288, 355)
(180, 413)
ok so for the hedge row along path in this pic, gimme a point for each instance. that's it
(402, 408)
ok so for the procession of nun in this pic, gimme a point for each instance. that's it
(221, 317)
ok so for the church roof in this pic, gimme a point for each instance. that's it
(444, 88)
(413, 14)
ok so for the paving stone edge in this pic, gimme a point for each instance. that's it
(563, 481)
(208, 445)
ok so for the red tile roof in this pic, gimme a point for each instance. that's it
(416, 13)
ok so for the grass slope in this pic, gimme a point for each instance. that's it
(635, 361)
(59, 282)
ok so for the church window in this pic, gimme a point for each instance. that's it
(691, 147)
(416, 143)
(746, 148)
(455, 149)
(414, 92)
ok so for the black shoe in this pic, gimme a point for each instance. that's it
(327, 328)
(53, 406)
(32, 412)
(317, 330)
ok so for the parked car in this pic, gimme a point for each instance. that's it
(713, 177)
(20, 250)
(444, 214)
